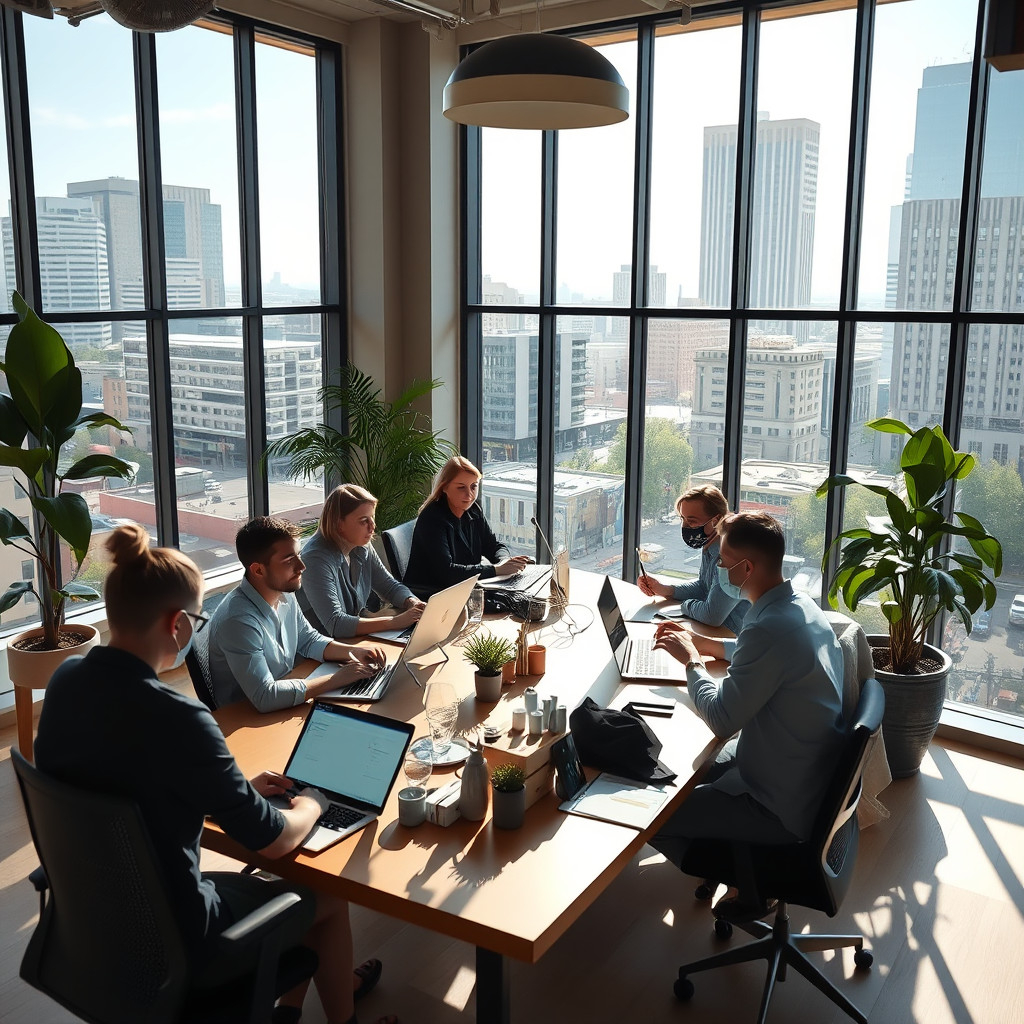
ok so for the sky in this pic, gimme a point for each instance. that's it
(84, 127)
(806, 67)
(82, 104)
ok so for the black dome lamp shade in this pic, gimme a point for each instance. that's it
(536, 81)
(157, 15)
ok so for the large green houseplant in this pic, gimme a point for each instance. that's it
(916, 560)
(390, 449)
(39, 414)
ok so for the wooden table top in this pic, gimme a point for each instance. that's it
(513, 892)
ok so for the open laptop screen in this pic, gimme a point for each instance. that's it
(350, 753)
(611, 617)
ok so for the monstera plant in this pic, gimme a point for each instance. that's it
(40, 412)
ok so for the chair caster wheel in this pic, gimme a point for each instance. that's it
(723, 929)
(703, 892)
(683, 989)
(863, 958)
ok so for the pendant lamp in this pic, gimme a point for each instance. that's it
(536, 81)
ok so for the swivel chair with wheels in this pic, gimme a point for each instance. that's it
(815, 874)
(108, 946)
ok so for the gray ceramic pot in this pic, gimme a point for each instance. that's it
(913, 706)
(508, 809)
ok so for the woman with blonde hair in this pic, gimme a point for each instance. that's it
(703, 599)
(110, 725)
(452, 540)
(343, 570)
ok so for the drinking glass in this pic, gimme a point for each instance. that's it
(475, 605)
(417, 768)
(442, 707)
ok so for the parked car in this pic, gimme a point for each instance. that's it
(211, 485)
(982, 626)
(1015, 617)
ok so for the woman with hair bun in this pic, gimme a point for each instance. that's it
(109, 724)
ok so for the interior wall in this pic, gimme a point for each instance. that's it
(403, 211)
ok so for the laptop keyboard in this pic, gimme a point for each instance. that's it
(644, 660)
(339, 817)
(364, 687)
(525, 579)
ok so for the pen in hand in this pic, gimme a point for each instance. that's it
(643, 571)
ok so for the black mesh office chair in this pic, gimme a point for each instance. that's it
(198, 663)
(398, 547)
(814, 874)
(108, 946)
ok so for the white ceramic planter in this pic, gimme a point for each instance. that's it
(488, 688)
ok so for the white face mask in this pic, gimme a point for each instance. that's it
(728, 587)
(182, 651)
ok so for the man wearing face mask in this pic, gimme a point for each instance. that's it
(700, 510)
(782, 693)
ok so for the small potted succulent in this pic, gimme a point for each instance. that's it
(489, 653)
(509, 802)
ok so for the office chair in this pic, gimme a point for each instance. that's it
(815, 874)
(198, 663)
(108, 946)
(398, 547)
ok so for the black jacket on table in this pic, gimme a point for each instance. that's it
(447, 549)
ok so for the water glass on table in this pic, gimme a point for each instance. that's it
(475, 605)
(442, 707)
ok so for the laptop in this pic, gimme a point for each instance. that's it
(636, 657)
(353, 758)
(439, 619)
(527, 579)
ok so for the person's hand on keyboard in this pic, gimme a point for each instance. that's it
(512, 565)
(372, 657)
(271, 784)
(408, 617)
(314, 794)
(352, 672)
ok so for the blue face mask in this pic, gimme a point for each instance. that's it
(728, 587)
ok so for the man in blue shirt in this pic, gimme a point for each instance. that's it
(782, 693)
(258, 632)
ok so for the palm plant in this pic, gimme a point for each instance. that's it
(901, 555)
(42, 413)
(390, 449)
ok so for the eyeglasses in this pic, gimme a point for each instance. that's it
(198, 620)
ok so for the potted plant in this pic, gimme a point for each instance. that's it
(389, 450)
(489, 653)
(899, 556)
(40, 414)
(509, 799)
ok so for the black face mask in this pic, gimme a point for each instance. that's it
(694, 536)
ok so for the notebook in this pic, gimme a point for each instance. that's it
(527, 579)
(353, 758)
(636, 657)
(434, 626)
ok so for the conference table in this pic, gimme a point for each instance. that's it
(512, 893)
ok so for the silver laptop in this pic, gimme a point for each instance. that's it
(437, 623)
(527, 580)
(353, 758)
(636, 657)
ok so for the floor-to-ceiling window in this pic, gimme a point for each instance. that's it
(174, 197)
(813, 217)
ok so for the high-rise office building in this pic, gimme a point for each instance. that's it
(782, 403)
(929, 229)
(510, 368)
(72, 265)
(782, 236)
(621, 280)
(208, 396)
(192, 231)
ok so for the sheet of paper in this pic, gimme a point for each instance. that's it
(622, 801)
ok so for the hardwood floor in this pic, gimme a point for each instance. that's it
(939, 893)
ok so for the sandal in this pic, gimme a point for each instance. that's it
(368, 974)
